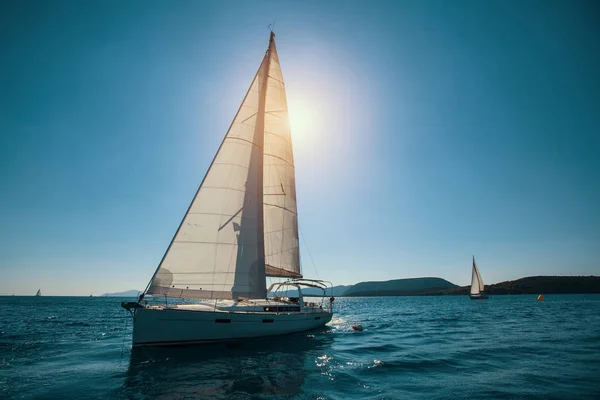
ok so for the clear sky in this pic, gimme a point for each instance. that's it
(424, 132)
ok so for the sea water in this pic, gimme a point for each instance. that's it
(446, 347)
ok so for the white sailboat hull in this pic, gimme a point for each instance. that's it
(173, 326)
(479, 296)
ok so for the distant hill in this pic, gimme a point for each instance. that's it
(335, 291)
(399, 287)
(534, 285)
(548, 284)
(129, 293)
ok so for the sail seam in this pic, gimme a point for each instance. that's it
(284, 251)
(275, 79)
(199, 273)
(282, 207)
(223, 187)
(249, 117)
(219, 243)
(232, 164)
(285, 229)
(284, 138)
(276, 115)
(222, 215)
(280, 158)
(243, 140)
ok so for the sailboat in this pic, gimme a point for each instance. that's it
(477, 287)
(39, 292)
(240, 228)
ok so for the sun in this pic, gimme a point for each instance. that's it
(303, 122)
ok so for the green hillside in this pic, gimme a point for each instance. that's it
(399, 287)
(534, 285)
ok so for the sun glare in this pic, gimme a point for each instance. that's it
(303, 123)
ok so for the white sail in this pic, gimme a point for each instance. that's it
(244, 213)
(282, 254)
(476, 282)
(481, 285)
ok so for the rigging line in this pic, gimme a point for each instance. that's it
(272, 25)
(309, 254)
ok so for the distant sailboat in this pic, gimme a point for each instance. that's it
(39, 292)
(240, 228)
(477, 286)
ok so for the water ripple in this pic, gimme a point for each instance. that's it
(411, 347)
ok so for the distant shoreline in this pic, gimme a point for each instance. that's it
(527, 285)
(433, 287)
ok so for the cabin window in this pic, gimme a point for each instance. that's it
(222, 321)
(268, 321)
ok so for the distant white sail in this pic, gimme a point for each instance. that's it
(241, 225)
(477, 285)
(39, 292)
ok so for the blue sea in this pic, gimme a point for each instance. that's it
(508, 347)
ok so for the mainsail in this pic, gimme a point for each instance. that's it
(476, 282)
(241, 225)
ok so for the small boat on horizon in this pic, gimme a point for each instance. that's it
(477, 286)
(39, 293)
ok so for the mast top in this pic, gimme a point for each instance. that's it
(272, 29)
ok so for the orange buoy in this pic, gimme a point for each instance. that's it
(357, 327)
(540, 297)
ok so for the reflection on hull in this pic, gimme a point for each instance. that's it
(172, 326)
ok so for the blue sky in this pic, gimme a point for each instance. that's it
(425, 132)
